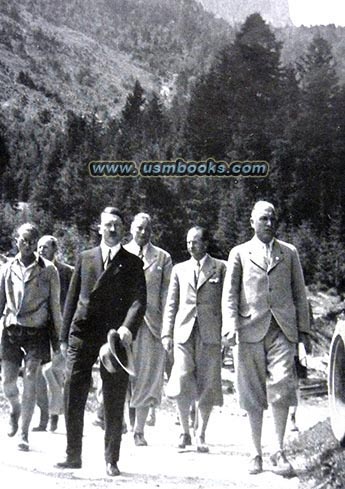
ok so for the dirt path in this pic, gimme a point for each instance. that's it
(160, 464)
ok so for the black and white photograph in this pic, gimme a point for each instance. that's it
(172, 244)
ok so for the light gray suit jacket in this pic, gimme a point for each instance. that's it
(253, 292)
(157, 268)
(186, 303)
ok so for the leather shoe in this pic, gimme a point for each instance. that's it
(184, 440)
(139, 440)
(201, 446)
(112, 469)
(281, 465)
(69, 463)
(40, 427)
(53, 422)
(13, 423)
(255, 465)
(23, 444)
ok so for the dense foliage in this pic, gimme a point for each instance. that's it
(239, 103)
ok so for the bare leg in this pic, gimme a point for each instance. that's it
(29, 393)
(140, 418)
(280, 463)
(255, 418)
(42, 400)
(280, 416)
(151, 421)
(203, 415)
(10, 373)
(183, 406)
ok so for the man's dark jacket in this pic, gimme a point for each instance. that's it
(99, 300)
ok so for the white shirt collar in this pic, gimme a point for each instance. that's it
(21, 264)
(263, 245)
(201, 261)
(136, 248)
(105, 250)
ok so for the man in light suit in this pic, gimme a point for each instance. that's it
(149, 355)
(107, 292)
(265, 311)
(50, 377)
(192, 327)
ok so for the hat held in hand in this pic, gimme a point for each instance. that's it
(114, 355)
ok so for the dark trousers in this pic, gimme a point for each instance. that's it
(78, 378)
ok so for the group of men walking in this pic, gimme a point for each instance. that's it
(131, 298)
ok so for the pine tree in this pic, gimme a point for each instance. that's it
(233, 106)
(237, 112)
(314, 136)
(130, 136)
(4, 161)
(155, 129)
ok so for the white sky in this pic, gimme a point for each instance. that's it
(319, 12)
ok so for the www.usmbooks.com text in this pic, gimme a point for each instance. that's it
(179, 168)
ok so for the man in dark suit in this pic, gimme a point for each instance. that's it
(107, 292)
(265, 311)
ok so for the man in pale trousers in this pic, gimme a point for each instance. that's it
(51, 377)
(192, 326)
(265, 311)
(149, 354)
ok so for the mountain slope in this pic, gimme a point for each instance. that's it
(160, 34)
(43, 65)
(85, 55)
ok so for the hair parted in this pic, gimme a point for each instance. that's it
(115, 211)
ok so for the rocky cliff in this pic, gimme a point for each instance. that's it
(276, 12)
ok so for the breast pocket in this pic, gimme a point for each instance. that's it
(214, 280)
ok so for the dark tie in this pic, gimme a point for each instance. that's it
(107, 260)
(141, 253)
(267, 255)
(196, 274)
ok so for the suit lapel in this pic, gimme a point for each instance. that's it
(97, 262)
(150, 256)
(207, 270)
(277, 255)
(150, 253)
(257, 254)
(191, 273)
(118, 263)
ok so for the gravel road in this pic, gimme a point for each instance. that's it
(160, 464)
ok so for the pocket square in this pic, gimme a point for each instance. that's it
(214, 280)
